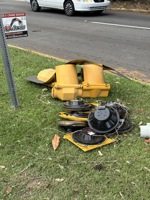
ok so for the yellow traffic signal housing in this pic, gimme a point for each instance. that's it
(68, 87)
(94, 84)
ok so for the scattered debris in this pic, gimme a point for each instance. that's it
(55, 141)
(110, 117)
(145, 131)
(100, 153)
(47, 75)
(2, 167)
(103, 119)
(34, 183)
(121, 195)
(100, 121)
(75, 116)
(59, 180)
(147, 141)
(87, 147)
(8, 190)
(146, 168)
(89, 124)
(88, 137)
(71, 126)
(60, 166)
(99, 167)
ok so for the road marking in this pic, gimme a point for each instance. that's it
(120, 25)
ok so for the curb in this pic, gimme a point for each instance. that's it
(38, 53)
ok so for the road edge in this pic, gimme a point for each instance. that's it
(63, 60)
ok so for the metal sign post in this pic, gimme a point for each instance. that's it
(8, 67)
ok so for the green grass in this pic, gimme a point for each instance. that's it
(33, 170)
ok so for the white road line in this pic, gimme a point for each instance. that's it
(120, 25)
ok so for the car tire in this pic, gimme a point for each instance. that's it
(35, 6)
(69, 8)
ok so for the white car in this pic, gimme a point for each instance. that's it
(70, 6)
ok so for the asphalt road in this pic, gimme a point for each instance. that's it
(117, 39)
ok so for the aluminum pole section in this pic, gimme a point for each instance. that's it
(8, 67)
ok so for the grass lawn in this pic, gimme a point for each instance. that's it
(30, 168)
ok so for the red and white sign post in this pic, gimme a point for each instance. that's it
(15, 25)
(12, 25)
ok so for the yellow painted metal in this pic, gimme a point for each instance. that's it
(86, 148)
(93, 74)
(67, 92)
(94, 82)
(72, 118)
(67, 85)
(66, 74)
(94, 91)
(46, 75)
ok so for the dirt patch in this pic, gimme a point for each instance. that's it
(136, 75)
(35, 183)
(131, 6)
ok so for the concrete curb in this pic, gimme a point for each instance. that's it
(36, 52)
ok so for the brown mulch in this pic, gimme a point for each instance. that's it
(136, 75)
(130, 6)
